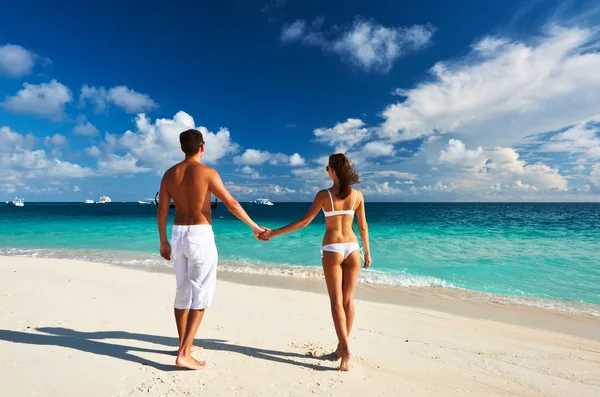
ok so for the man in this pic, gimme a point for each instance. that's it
(190, 185)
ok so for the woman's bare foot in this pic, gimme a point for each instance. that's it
(345, 364)
(193, 349)
(336, 355)
(189, 362)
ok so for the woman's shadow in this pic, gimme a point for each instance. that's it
(90, 342)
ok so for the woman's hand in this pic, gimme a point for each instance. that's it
(267, 235)
(367, 257)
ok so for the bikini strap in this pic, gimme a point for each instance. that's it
(355, 195)
(331, 198)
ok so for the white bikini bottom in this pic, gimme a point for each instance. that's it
(345, 249)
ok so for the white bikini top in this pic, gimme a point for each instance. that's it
(333, 212)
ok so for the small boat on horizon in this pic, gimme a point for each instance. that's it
(104, 200)
(18, 202)
(263, 201)
(88, 201)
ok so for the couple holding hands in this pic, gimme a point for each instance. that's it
(190, 185)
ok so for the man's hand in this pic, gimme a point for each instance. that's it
(165, 250)
(367, 260)
(258, 231)
(267, 235)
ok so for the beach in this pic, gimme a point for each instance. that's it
(73, 328)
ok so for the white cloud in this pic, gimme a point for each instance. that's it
(375, 47)
(76, 189)
(379, 149)
(250, 172)
(382, 188)
(480, 173)
(259, 157)
(504, 90)
(366, 44)
(293, 32)
(20, 162)
(93, 151)
(523, 186)
(122, 96)
(11, 141)
(457, 154)
(296, 160)
(279, 190)
(85, 128)
(95, 95)
(316, 175)
(580, 139)
(46, 100)
(595, 174)
(16, 61)
(56, 140)
(438, 187)
(390, 174)
(155, 145)
(505, 163)
(113, 164)
(253, 157)
(343, 135)
(130, 100)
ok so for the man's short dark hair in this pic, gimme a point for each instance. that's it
(190, 141)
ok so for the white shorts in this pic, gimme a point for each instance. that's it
(195, 259)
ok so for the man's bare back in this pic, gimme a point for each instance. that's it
(188, 184)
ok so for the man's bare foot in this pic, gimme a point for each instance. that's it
(345, 364)
(189, 362)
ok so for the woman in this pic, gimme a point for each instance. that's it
(340, 250)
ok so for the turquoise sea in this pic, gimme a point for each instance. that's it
(535, 254)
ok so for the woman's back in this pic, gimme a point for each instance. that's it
(339, 217)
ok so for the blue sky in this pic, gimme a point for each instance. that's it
(469, 101)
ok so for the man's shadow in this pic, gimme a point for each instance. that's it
(89, 342)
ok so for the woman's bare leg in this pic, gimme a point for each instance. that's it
(350, 273)
(333, 278)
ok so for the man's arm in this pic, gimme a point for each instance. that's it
(217, 188)
(163, 216)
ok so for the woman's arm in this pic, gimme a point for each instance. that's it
(302, 222)
(363, 228)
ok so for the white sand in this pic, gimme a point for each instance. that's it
(71, 328)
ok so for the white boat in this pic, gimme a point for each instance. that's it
(146, 202)
(18, 202)
(104, 200)
(88, 201)
(263, 201)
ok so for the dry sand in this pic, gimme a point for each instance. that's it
(71, 328)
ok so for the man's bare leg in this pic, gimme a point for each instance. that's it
(184, 356)
(181, 319)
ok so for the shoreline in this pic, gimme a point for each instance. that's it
(415, 286)
(65, 325)
(455, 301)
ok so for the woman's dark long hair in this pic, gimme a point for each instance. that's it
(345, 172)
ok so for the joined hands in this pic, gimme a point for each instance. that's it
(266, 234)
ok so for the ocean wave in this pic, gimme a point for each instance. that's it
(311, 272)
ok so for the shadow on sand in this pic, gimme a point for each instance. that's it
(89, 342)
